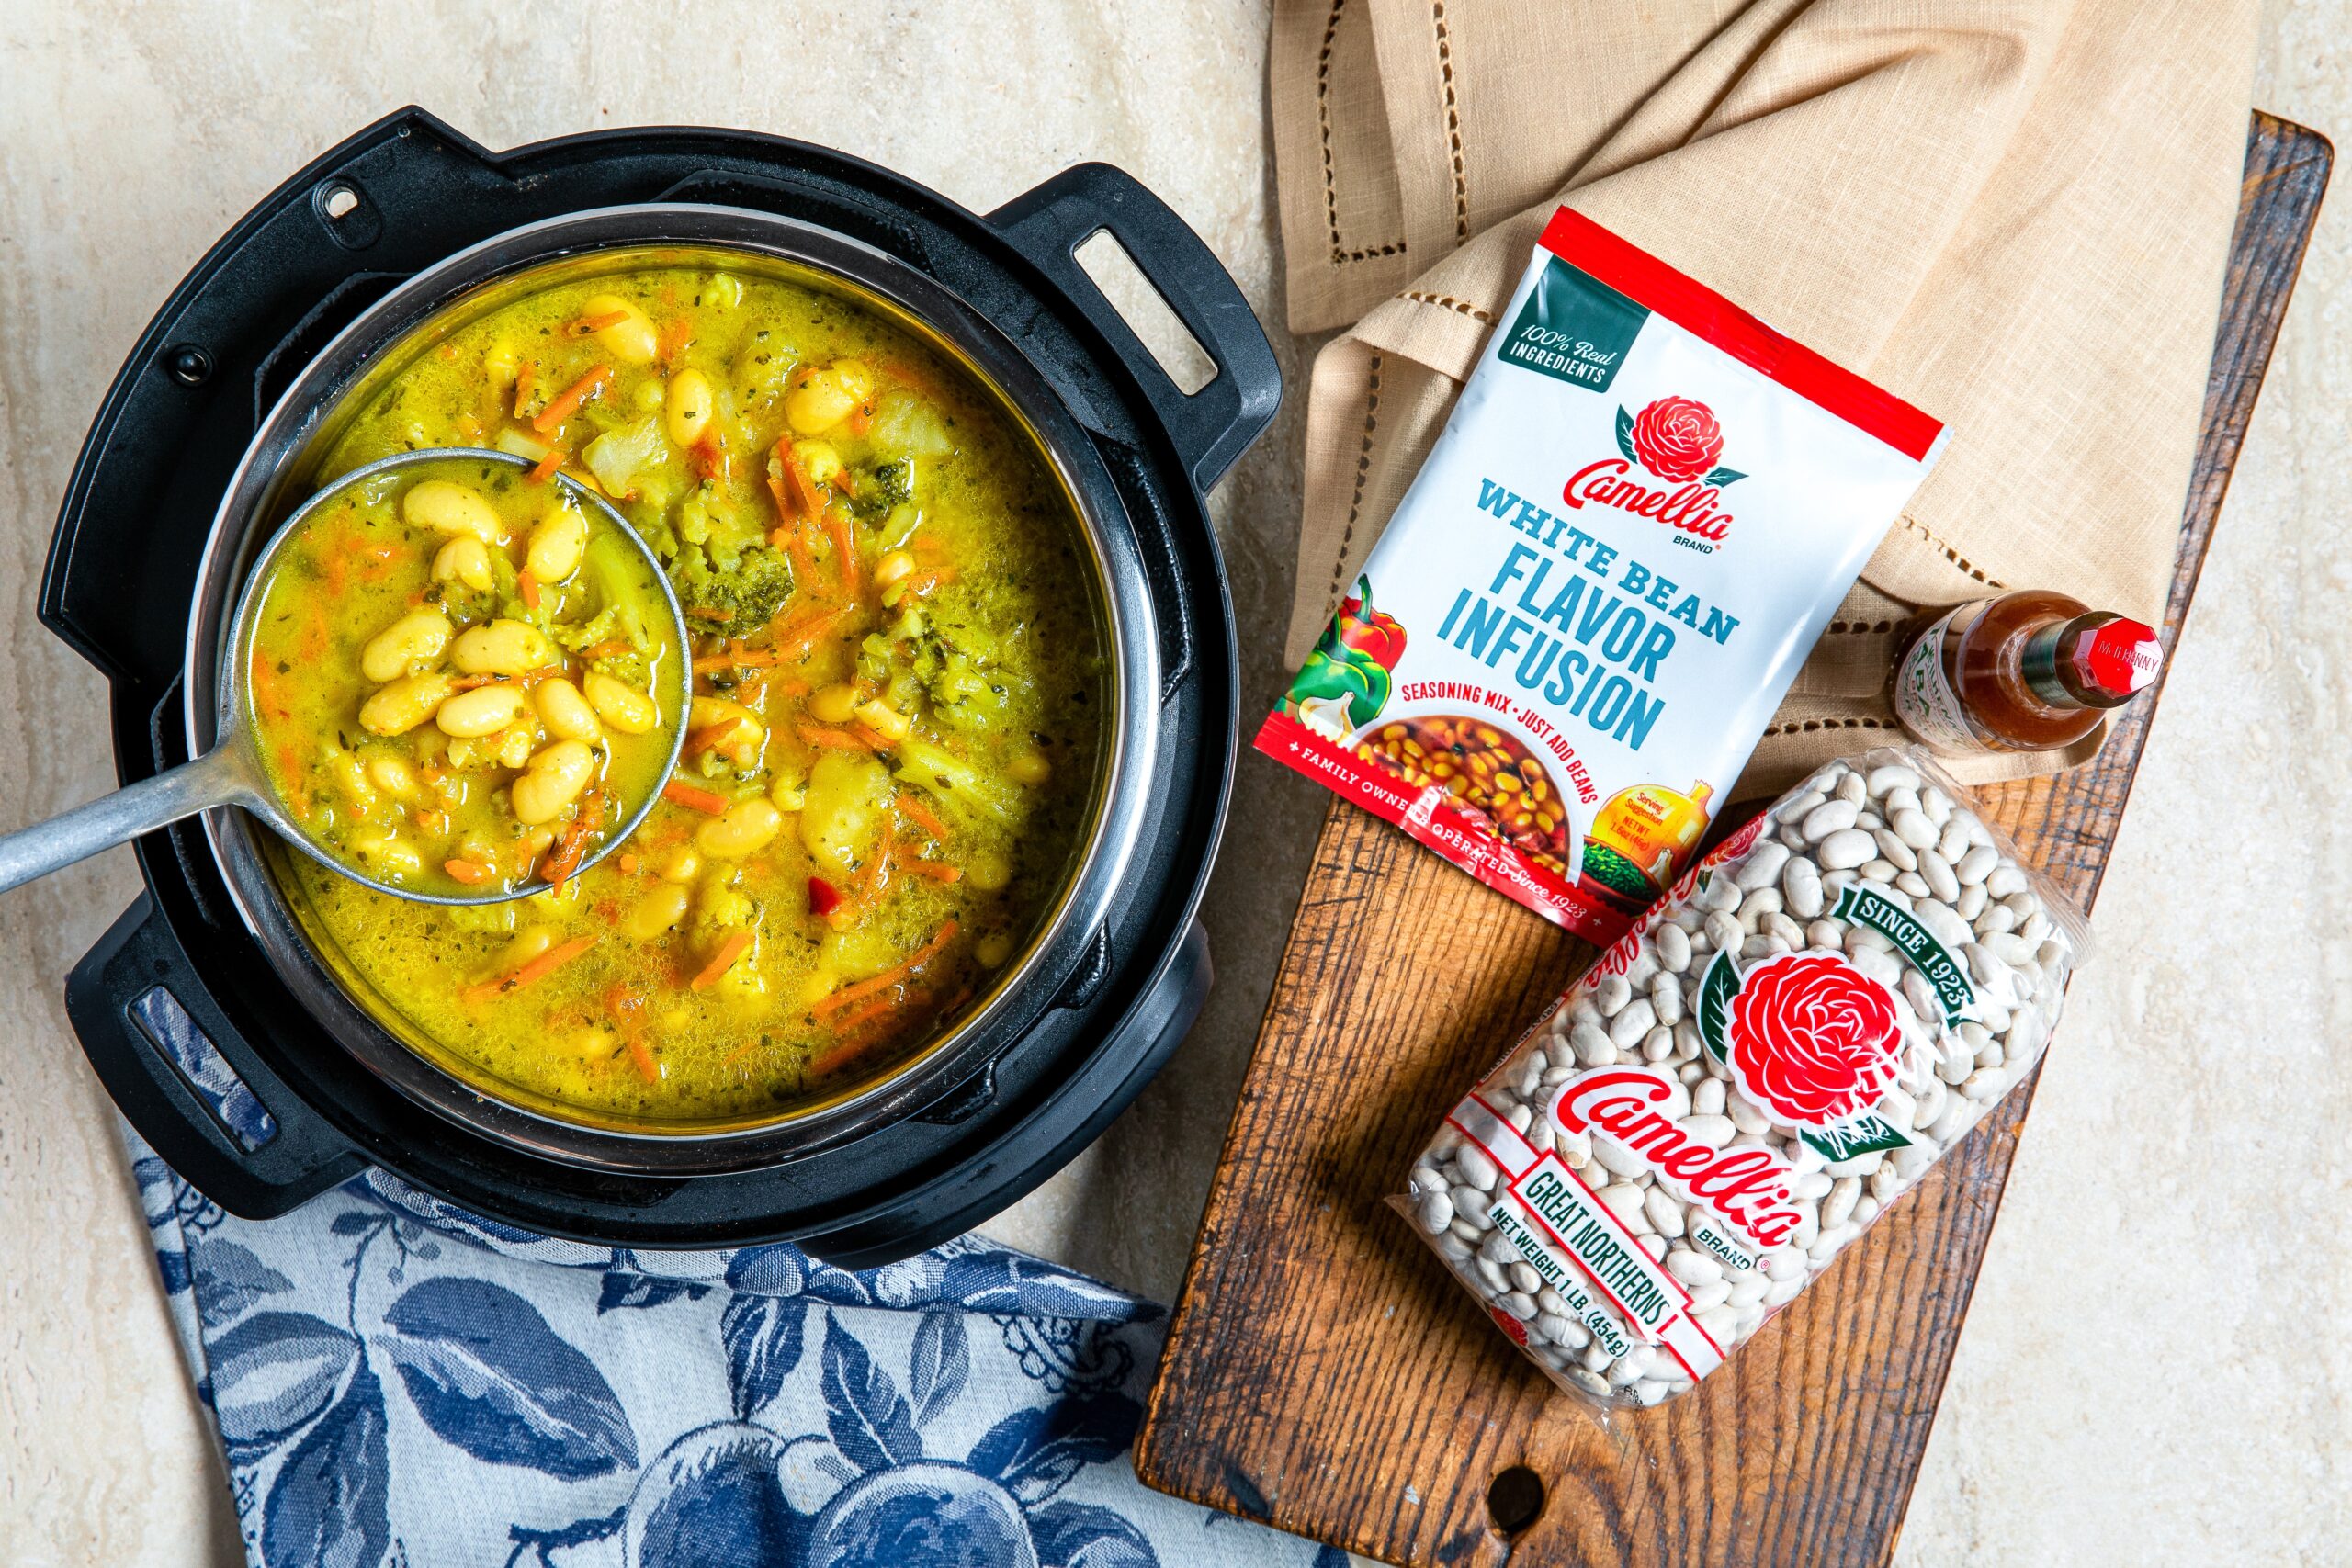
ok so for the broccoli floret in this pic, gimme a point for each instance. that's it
(751, 588)
(963, 787)
(890, 485)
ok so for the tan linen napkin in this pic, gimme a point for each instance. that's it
(2012, 213)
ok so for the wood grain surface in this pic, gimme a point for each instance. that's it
(1323, 1373)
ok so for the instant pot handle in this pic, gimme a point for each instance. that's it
(186, 1080)
(1214, 425)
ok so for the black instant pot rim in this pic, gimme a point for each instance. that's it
(1097, 376)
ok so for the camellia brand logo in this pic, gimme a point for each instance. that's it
(1811, 1039)
(1749, 1187)
(1675, 438)
(1678, 440)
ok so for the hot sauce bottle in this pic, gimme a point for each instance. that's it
(2027, 672)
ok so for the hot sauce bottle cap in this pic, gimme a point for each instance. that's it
(2112, 658)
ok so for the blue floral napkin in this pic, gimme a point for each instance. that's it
(399, 1383)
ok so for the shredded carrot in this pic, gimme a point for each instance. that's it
(803, 634)
(546, 964)
(785, 509)
(804, 563)
(840, 1055)
(831, 739)
(544, 469)
(431, 821)
(720, 962)
(471, 873)
(677, 335)
(290, 767)
(795, 640)
(551, 418)
(628, 863)
(607, 648)
(802, 485)
(711, 737)
(587, 324)
(643, 1055)
(844, 551)
(861, 418)
(264, 683)
(921, 816)
(526, 381)
(625, 1006)
(694, 799)
(856, 1017)
(528, 587)
(873, 738)
(848, 1051)
(937, 870)
(889, 977)
(878, 871)
(705, 612)
(565, 861)
(712, 450)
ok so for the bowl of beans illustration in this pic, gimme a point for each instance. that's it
(1491, 775)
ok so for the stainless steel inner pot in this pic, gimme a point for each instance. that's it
(279, 467)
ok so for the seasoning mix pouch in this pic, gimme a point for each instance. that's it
(1759, 1068)
(1642, 512)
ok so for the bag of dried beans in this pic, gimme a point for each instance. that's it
(1754, 1074)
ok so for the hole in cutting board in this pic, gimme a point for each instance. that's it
(1131, 294)
(1515, 1500)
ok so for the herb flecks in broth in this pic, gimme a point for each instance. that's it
(894, 735)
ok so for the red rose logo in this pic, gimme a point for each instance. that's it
(1812, 1039)
(1677, 439)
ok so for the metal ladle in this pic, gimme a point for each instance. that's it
(231, 774)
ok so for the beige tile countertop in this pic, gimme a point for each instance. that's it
(2154, 1369)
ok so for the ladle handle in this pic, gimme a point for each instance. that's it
(220, 777)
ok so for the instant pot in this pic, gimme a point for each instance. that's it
(217, 1029)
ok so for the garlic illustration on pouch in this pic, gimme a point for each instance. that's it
(1345, 682)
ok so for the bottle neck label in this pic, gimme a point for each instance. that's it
(1924, 698)
(2039, 665)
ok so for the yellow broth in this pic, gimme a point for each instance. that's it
(417, 689)
(896, 732)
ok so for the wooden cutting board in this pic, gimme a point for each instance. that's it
(1325, 1376)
